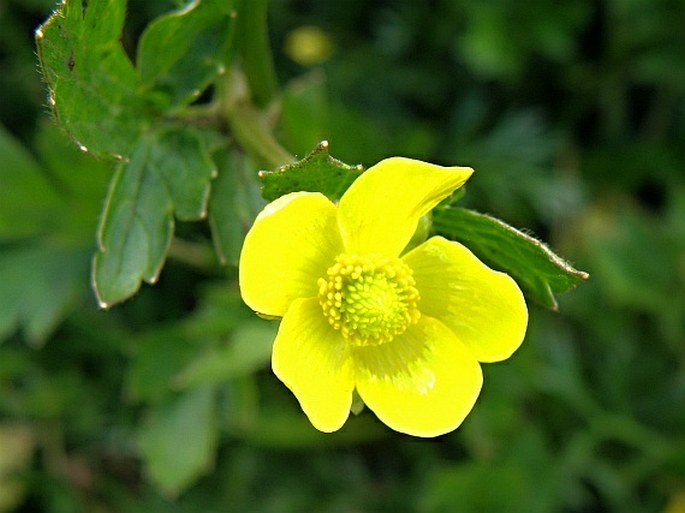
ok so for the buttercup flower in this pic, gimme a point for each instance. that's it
(406, 330)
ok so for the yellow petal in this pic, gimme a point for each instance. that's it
(381, 209)
(485, 308)
(292, 243)
(313, 361)
(429, 396)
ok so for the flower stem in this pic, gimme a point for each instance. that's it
(255, 51)
(249, 125)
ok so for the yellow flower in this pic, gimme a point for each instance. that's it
(405, 330)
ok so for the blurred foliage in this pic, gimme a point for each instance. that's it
(572, 114)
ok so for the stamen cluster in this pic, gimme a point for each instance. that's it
(371, 299)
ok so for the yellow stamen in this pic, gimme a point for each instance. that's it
(371, 299)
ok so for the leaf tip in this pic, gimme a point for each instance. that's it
(102, 304)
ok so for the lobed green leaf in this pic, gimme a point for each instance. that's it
(181, 52)
(169, 172)
(93, 84)
(113, 109)
(538, 270)
(317, 172)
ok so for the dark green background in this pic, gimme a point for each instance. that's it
(572, 114)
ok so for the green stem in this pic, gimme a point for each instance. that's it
(257, 61)
(248, 125)
(250, 131)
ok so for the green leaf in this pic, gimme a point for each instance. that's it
(180, 156)
(179, 440)
(169, 172)
(317, 172)
(181, 52)
(233, 205)
(539, 272)
(81, 182)
(40, 282)
(162, 354)
(93, 84)
(48, 212)
(54, 193)
(248, 351)
(135, 231)
(27, 198)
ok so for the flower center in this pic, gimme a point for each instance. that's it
(371, 299)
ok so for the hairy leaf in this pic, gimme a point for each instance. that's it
(317, 172)
(93, 84)
(539, 272)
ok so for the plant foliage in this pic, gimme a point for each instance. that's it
(145, 180)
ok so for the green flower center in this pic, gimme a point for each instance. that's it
(371, 299)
